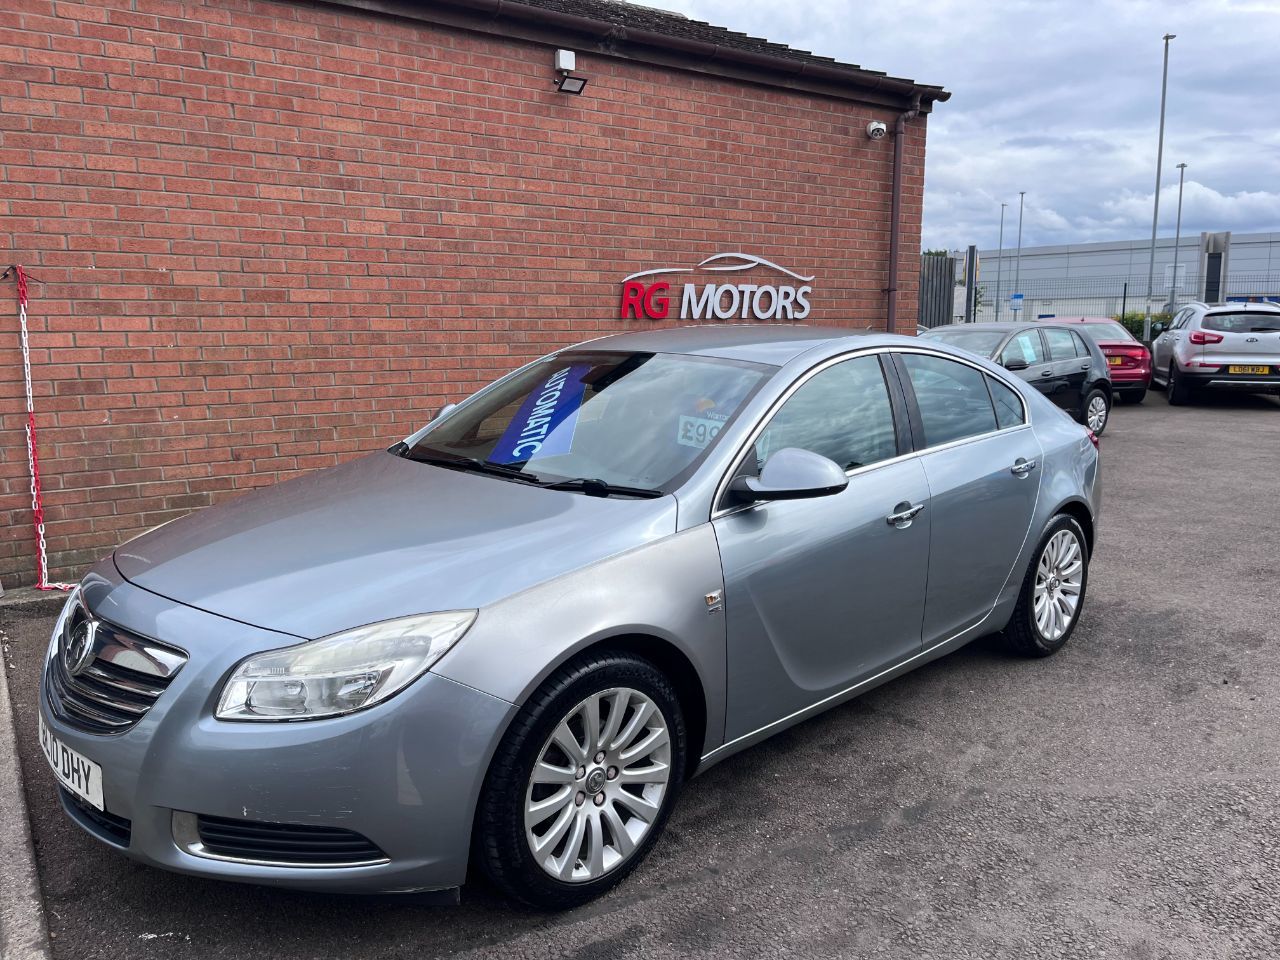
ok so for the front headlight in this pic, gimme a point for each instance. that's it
(342, 673)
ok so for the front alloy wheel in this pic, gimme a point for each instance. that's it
(581, 785)
(597, 789)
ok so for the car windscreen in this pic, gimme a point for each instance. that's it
(981, 342)
(1246, 321)
(1107, 332)
(638, 420)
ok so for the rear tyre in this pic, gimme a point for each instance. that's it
(1180, 392)
(1095, 411)
(581, 786)
(1052, 593)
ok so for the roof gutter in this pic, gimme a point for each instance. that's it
(490, 14)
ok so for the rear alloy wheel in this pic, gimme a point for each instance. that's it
(1178, 387)
(1097, 411)
(581, 787)
(1052, 593)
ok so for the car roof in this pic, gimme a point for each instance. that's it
(1008, 326)
(772, 343)
(1077, 320)
(1243, 307)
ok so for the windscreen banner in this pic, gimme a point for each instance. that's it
(544, 424)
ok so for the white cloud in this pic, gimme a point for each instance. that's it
(1061, 98)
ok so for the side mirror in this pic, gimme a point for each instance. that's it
(1015, 363)
(792, 474)
(1157, 329)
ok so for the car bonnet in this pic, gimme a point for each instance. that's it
(378, 538)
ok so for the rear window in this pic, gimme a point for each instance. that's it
(1106, 332)
(1243, 322)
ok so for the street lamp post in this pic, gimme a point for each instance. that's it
(1017, 263)
(1177, 235)
(1000, 262)
(1155, 214)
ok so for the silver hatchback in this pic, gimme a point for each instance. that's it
(512, 637)
(1224, 346)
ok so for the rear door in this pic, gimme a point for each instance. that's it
(1071, 363)
(1029, 348)
(982, 463)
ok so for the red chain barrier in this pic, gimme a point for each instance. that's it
(33, 458)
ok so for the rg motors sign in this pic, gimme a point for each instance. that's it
(785, 297)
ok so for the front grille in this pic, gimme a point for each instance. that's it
(108, 826)
(115, 682)
(285, 843)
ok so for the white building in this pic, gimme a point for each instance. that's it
(1101, 279)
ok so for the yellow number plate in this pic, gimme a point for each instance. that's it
(1248, 369)
(1114, 361)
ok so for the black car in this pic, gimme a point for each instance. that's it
(1067, 368)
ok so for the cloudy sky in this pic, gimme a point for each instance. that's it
(1061, 98)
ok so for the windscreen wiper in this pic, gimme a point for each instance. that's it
(598, 488)
(471, 464)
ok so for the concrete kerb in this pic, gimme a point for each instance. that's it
(24, 934)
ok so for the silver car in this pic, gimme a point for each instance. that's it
(510, 639)
(1224, 346)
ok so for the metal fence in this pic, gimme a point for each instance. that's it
(1111, 296)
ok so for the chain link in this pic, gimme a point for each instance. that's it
(33, 463)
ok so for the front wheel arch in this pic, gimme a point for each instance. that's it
(668, 658)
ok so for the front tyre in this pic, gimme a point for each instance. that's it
(581, 786)
(1052, 593)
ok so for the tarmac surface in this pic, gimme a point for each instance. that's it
(1118, 800)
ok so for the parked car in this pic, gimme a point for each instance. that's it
(1222, 346)
(1128, 359)
(512, 637)
(1067, 368)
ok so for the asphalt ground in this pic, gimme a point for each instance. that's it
(1119, 800)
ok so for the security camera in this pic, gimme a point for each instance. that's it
(877, 130)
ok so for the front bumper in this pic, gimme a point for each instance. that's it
(406, 773)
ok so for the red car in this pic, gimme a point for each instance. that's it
(1129, 360)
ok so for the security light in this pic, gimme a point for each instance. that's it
(566, 83)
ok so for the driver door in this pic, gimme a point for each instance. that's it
(825, 592)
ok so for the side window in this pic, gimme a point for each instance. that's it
(1062, 345)
(1182, 319)
(1008, 404)
(1025, 346)
(952, 398)
(842, 413)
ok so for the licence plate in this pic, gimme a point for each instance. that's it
(74, 771)
(1114, 361)
(1248, 369)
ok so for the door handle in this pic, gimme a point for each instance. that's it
(1022, 467)
(903, 514)
(1085, 366)
(1046, 373)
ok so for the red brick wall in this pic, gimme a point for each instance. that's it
(274, 235)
